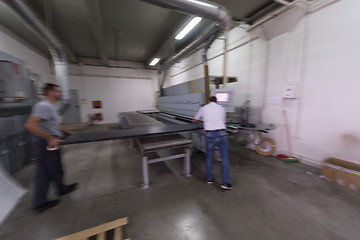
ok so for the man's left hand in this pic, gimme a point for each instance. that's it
(66, 132)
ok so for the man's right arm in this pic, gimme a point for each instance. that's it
(198, 116)
(33, 125)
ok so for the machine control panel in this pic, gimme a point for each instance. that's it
(225, 98)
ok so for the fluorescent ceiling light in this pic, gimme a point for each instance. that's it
(188, 28)
(154, 61)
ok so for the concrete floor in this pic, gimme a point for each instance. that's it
(270, 199)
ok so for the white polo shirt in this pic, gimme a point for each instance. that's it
(213, 115)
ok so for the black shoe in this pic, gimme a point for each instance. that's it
(46, 206)
(209, 181)
(226, 186)
(68, 188)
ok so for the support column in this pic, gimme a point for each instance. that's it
(145, 169)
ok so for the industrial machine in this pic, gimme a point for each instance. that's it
(181, 109)
(180, 104)
(17, 96)
(225, 98)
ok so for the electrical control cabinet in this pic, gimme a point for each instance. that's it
(17, 97)
(14, 83)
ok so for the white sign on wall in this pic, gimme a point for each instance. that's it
(289, 90)
(274, 100)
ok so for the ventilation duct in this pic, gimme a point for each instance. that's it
(197, 8)
(204, 10)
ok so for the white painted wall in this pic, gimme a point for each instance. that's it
(329, 119)
(321, 54)
(119, 89)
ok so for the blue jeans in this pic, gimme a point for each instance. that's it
(220, 140)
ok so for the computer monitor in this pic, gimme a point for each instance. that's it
(224, 98)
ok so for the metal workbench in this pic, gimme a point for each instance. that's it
(150, 135)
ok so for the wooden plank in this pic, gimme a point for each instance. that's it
(118, 233)
(101, 236)
(96, 230)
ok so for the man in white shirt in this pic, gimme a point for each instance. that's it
(214, 118)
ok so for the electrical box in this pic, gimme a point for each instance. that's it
(16, 98)
(96, 104)
(14, 84)
(290, 90)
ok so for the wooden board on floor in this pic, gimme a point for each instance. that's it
(99, 231)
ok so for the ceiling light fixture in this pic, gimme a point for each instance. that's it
(154, 61)
(188, 28)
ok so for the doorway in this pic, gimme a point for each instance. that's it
(72, 114)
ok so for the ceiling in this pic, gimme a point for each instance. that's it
(98, 31)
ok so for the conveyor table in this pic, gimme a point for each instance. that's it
(150, 139)
(129, 133)
(153, 144)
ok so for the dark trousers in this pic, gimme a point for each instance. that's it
(48, 169)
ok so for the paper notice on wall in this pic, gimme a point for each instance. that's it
(290, 90)
(11, 193)
(274, 100)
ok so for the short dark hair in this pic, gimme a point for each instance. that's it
(49, 87)
(213, 99)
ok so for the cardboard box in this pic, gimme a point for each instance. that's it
(342, 172)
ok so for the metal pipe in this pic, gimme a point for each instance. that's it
(259, 14)
(274, 14)
(161, 78)
(308, 3)
(283, 2)
(250, 68)
(198, 8)
(206, 83)
(303, 64)
(206, 74)
(213, 57)
(191, 47)
(201, 9)
(206, 66)
(58, 55)
(225, 79)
